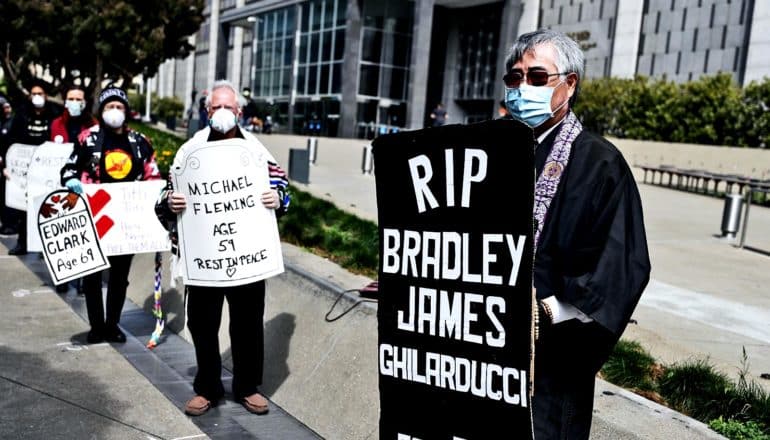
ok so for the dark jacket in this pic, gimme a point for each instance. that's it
(87, 161)
(30, 127)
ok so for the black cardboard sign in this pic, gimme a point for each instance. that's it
(455, 281)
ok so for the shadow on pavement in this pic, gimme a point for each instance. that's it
(171, 300)
(278, 333)
(41, 401)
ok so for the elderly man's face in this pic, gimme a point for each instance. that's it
(223, 97)
(543, 58)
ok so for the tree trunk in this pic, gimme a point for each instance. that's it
(98, 77)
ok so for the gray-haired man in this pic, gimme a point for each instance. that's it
(591, 261)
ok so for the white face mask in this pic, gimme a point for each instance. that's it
(223, 120)
(114, 117)
(38, 101)
(75, 108)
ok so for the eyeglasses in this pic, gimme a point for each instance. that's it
(536, 78)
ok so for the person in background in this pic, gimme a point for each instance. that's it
(203, 115)
(245, 302)
(31, 126)
(439, 115)
(7, 220)
(75, 119)
(66, 129)
(502, 111)
(250, 111)
(591, 259)
(109, 152)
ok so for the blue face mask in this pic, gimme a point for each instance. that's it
(530, 104)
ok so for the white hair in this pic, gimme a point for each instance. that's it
(225, 84)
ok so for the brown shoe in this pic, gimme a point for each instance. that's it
(197, 405)
(256, 403)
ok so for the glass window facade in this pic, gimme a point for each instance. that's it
(275, 42)
(202, 39)
(386, 39)
(383, 73)
(321, 48)
(477, 57)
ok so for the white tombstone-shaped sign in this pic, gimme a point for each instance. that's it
(70, 243)
(227, 236)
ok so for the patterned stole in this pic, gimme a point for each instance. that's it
(555, 164)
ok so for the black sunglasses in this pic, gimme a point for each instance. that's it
(536, 78)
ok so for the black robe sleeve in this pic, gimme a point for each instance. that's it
(593, 251)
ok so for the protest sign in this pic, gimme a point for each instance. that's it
(70, 245)
(124, 214)
(227, 236)
(17, 163)
(455, 281)
(43, 176)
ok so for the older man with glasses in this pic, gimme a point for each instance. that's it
(591, 261)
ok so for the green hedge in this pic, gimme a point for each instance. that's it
(165, 144)
(739, 410)
(713, 110)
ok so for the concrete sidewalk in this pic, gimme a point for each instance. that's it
(53, 385)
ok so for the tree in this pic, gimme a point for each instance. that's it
(755, 115)
(95, 40)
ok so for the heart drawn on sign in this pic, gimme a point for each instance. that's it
(230, 271)
(98, 200)
(56, 198)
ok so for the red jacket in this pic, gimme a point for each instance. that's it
(59, 126)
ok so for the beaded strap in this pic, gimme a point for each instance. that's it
(555, 164)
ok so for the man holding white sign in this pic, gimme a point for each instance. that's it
(224, 184)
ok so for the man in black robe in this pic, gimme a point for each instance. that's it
(591, 261)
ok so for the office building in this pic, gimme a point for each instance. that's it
(362, 67)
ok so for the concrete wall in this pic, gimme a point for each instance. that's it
(757, 61)
(751, 162)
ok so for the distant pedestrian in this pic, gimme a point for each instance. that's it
(439, 115)
(250, 112)
(203, 114)
(246, 302)
(502, 110)
(7, 219)
(110, 152)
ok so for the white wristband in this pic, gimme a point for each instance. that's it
(563, 311)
